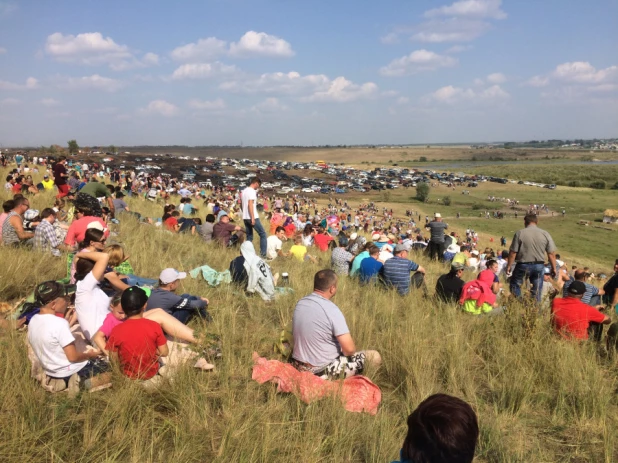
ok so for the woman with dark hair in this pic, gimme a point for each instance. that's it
(442, 429)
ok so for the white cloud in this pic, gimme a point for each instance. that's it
(203, 70)
(160, 108)
(470, 8)
(203, 49)
(261, 44)
(150, 59)
(577, 74)
(342, 90)
(496, 78)
(30, 84)
(415, 62)
(453, 95)
(2, 50)
(205, 105)
(269, 105)
(462, 21)
(390, 38)
(290, 83)
(49, 102)
(309, 88)
(583, 72)
(402, 100)
(538, 81)
(93, 82)
(450, 30)
(92, 49)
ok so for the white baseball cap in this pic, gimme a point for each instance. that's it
(353, 236)
(437, 215)
(170, 275)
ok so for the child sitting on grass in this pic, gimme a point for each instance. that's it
(299, 250)
(137, 343)
(171, 326)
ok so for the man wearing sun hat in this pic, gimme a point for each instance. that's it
(183, 307)
(436, 242)
(53, 343)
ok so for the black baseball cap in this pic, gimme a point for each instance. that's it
(49, 290)
(576, 288)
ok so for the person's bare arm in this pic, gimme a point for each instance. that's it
(73, 356)
(347, 344)
(420, 269)
(115, 281)
(18, 225)
(163, 350)
(552, 260)
(99, 340)
(100, 259)
(509, 263)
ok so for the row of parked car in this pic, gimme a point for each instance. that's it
(326, 179)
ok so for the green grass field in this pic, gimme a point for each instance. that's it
(538, 398)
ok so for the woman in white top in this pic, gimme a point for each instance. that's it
(91, 303)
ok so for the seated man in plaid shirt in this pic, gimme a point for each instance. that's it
(45, 237)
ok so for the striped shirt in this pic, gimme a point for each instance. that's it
(396, 273)
(591, 291)
(9, 234)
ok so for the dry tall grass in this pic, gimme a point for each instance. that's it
(538, 398)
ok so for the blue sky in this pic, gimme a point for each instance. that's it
(302, 73)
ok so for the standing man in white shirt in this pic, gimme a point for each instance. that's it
(250, 214)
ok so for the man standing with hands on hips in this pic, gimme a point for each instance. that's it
(528, 250)
(250, 214)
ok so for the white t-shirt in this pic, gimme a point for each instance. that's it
(48, 335)
(247, 195)
(91, 305)
(273, 244)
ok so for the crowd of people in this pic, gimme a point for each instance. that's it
(126, 317)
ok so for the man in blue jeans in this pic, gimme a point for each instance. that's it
(250, 214)
(528, 250)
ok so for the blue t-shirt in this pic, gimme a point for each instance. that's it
(369, 269)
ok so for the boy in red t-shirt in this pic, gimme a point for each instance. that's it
(137, 342)
(322, 239)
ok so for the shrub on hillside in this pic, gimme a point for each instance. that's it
(574, 183)
(422, 191)
(598, 185)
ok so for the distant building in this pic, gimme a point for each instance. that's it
(610, 216)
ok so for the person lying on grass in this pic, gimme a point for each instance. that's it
(183, 307)
(170, 325)
(51, 338)
(322, 341)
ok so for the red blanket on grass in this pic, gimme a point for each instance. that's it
(358, 393)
